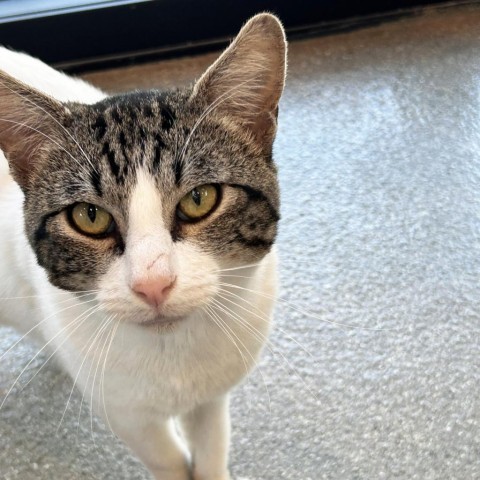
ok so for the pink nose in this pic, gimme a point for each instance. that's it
(154, 291)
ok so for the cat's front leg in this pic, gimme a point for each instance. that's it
(207, 429)
(155, 442)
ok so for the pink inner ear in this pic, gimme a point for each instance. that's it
(30, 123)
(22, 153)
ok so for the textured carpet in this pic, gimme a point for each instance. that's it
(373, 370)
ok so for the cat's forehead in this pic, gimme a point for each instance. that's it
(155, 132)
(151, 108)
(127, 133)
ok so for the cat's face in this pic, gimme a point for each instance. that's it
(146, 197)
(138, 173)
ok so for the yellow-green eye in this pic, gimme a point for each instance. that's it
(91, 220)
(198, 203)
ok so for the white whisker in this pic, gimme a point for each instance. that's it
(21, 124)
(86, 292)
(95, 310)
(310, 314)
(60, 332)
(261, 316)
(108, 323)
(216, 103)
(40, 323)
(24, 97)
(89, 343)
(102, 379)
(98, 336)
(221, 325)
(249, 265)
(261, 337)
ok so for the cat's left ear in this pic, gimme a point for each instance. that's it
(30, 123)
(247, 80)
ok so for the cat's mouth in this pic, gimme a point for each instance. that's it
(161, 321)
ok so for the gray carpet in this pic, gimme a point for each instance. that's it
(373, 371)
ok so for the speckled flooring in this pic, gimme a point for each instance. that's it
(373, 371)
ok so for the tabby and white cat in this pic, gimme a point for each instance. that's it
(146, 240)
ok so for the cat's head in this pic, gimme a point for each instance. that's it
(146, 197)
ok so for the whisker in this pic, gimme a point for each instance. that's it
(40, 323)
(269, 345)
(60, 332)
(262, 317)
(97, 336)
(24, 97)
(238, 276)
(86, 292)
(250, 265)
(110, 321)
(21, 124)
(217, 102)
(310, 314)
(90, 344)
(221, 325)
(255, 363)
(58, 348)
(210, 313)
(102, 379)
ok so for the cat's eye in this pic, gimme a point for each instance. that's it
(91, 219)
(198, 203)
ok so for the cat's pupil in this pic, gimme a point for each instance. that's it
(197, 197)
(92, 213)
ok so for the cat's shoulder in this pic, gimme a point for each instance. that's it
(37, 74)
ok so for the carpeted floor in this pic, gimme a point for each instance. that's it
(374, 367)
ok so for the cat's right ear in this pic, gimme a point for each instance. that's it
(30, 122)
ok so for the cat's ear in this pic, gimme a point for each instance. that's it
(247, 80)
(30, 122)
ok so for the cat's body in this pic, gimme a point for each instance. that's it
(140, 368)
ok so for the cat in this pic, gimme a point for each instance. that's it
(148, 228)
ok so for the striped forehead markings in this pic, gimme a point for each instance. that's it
(112, 162)
(119, 125)
(168, 118)
(99, 127)
(159, 146)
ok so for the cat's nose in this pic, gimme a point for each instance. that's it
(154, 291)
